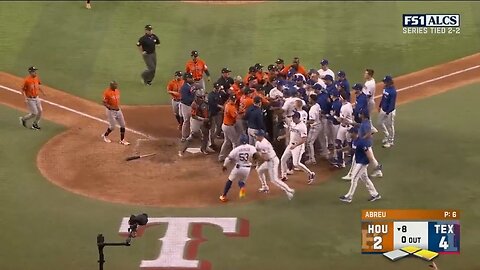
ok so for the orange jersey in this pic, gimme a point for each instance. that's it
(245, 79)
(196, 68)
(236, 90)
(245, 102)
(112, 98)
(300, 70)
(31, 86)
(230, 114)
(174, 86)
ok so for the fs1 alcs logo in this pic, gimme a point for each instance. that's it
(431, 23)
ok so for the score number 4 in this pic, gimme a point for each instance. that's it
(443, 243)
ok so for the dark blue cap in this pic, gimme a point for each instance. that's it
(357, 86)
(291, 72)
(260, 132)
(281, 82)
(299, 78)
(387, 79)
(335, 93)
(317, 86)
(328, 77)
(341, 73)
(257, 99)
(296, 114)
(313, 71)
(324, 62)
(243, 139)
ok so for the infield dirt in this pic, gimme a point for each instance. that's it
(79, 161)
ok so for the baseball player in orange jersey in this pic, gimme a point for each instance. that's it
(173, 88)
(111, 101)
(30, 91)
(197, 67)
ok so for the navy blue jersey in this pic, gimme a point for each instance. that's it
(336, 106)
(365, 128)
(361, 147)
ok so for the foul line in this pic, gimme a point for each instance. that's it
(152, 137)
(79, 112)
(434, 79)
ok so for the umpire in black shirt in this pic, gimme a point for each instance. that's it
(146, 44)
(225, 80)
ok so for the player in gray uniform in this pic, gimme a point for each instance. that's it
(30, 90)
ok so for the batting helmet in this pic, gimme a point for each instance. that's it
(243, 139)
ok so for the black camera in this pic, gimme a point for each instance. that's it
(134, 222)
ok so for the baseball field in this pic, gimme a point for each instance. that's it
(62, 185)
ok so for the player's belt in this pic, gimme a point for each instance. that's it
(32, 96)
(229, 125)
(177, 100)
(196, 79)
(289, 116)
(113, 109)
(244, 166)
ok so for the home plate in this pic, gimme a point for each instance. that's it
(193, 150)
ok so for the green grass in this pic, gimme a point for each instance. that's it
(80, 51)
(433, 165)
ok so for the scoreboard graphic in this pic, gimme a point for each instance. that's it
(400, 233)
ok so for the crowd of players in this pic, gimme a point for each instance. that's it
(268, 100)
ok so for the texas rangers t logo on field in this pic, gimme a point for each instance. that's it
(178, 249)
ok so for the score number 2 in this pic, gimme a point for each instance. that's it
(377, 242)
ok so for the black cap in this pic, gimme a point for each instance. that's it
(226, 70)
(194, 53)
(32, 68)
(252, 69)
(251, 78)
(357, 86)
(279, 61)
(258, 66)
(247, 90)
(232, 97)
(257, 100)
(178, 73)
(187, 75)
(241, 84)
(216, 85)
(148, 27)
(271, 67)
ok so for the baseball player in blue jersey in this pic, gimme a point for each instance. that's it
(386, 118)
(363, 156)
(361, 101)
(343, 82)
(334, 115)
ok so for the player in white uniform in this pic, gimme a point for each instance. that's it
(270, 165)
(324, 70)
(288, 108)
(315, 128)
(296, 148)
(299, 103)
(346, 120)
(369, 90)
(242, 156)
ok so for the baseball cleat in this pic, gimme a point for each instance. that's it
(203, 151)
(180, 153)
(386, 145)
(264, 189)
(345, 199)
(23, 122)
(210, 149)
(88, 6)
(375, 198)
(284, 178)
(374, 130)
(123, 142)
(289, 172)
(347, 177)
(36, 127)
(290, 194)
(223, 198)
(242, 193)
(339, 165)
(106, 139)
(376, 173)
(385, 140)
(311, 178)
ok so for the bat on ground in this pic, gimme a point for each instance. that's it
(139, 156)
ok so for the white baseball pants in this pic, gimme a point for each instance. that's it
(271, 166)
(360, 172)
